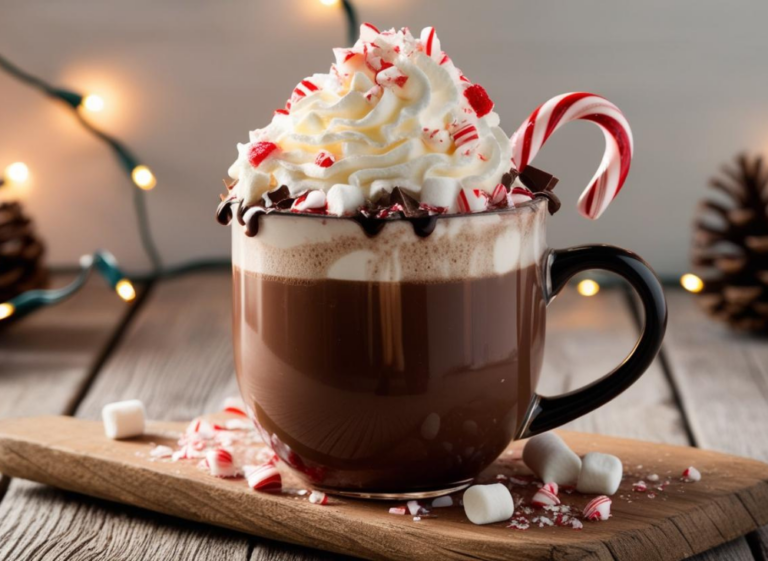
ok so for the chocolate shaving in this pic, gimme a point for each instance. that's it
(508, 178)
(280, 195)
(224, 211)
(537, 180)
(553, 201)
(409, 204)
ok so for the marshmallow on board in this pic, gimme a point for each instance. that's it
(123, 419)
(549, 457)
(600, 474)
(485, 504)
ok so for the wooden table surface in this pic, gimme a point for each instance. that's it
(172, 350)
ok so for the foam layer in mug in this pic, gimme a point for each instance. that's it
(306, 248)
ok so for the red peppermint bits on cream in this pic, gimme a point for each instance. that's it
(478, 99)
(260, 151)
(325, 159)
(465, 135)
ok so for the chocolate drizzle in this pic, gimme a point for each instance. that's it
(399, 204)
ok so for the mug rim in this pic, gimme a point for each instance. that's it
(532, 204)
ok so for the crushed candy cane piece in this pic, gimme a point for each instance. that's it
(546, 496)
(161, 451)
(264, 477)
(398, 510)
(653, 477)
(318, 498)
(413, 507)
(640, 487)
(598, 508)
(691, 475)
(220, 462)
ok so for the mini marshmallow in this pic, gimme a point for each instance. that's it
(691, 475)
(598, 508)
(600, 474)
(124, 419)
(442, 502)
(653, 477)
(551, 460)
(441, 192)
(485, 504)
(344, 200)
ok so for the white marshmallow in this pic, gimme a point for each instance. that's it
(442, 502)
(441, 192)
(600, 474)
(485, 504)
(124, 419)
(344, 199)
(551, 460)
(413, 507)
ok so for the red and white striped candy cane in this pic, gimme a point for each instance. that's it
(614, 167)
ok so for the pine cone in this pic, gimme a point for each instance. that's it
(730, 247)
(21, 253)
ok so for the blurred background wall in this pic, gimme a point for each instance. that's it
(184, 80)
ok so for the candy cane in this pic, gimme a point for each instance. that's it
(614, 167)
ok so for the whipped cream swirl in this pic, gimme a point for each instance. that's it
(394, 111)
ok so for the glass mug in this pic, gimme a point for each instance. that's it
(400, 364)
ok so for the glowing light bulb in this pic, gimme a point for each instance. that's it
(17, 172)
(93, 103)
(588, 287)
(329, 2)
(692, 283)
(6, 310)
(125, 290)
(143, 178)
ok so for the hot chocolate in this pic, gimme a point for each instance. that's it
(391, 274)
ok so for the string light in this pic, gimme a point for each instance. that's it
(6, 310)
(588, 287)
(93, 103)
(329, 2)
(143, 178)
(125, 290)
(17, 172)
(692, 283)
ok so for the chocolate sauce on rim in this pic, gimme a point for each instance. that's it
(397, 205)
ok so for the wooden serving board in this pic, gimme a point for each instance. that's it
(683, 519)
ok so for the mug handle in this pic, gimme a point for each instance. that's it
(546, 413)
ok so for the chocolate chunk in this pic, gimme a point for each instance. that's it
(279, 195)
(509, 178)
(407, 202)
(537, 180)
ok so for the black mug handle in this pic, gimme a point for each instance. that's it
(547, 413)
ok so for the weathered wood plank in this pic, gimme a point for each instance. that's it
(722, 378)
(737, 550)
(45, 358)
(176, 358)
(587, 338)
